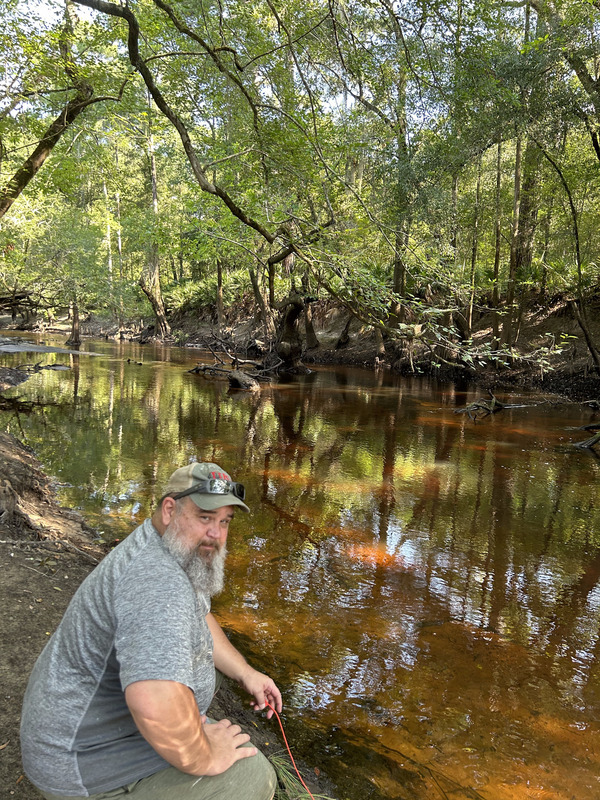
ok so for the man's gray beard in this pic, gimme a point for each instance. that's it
(206, 577)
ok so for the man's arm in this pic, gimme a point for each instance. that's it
(167, 716)
(233, 664)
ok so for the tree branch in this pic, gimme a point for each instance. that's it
(70, 112)
(140, 65)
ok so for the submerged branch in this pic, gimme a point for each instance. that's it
(482, 408)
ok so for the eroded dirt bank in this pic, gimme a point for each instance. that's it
(45, 553)
(550, 353)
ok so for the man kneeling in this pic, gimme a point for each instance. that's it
(116, 703)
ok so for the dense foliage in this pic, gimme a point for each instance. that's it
(414, 160)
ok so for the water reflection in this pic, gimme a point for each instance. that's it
(424, 587)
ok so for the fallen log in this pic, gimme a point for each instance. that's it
(241, 380)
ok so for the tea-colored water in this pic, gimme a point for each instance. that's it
(424, 588)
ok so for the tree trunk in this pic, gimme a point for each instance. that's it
(118, 210)
(48, 141)
(74, 339)
(52, 134)
(109, 261)
(399, 272)
(524, 208)
(344, 338)
(220, 311)
(380, 343)
(497, 249)
(121, 309)
(288, 264)
(529, 209)
(271, 275)
(154, 295)
(312, 342)
(474, 248)
(265, 313)
(238, 379)
(546, 246)
(150, 278)
(402, 205)
(507, 330)
(289, 341)
(454, 213)
(587, 335)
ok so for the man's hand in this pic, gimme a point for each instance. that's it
(167, 716)
(225, 741)
(263, 689)
(231, 663)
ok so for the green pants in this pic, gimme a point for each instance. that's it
(249, 779)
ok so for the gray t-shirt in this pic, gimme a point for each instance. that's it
(135, 617)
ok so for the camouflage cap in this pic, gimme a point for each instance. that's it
(209, 486)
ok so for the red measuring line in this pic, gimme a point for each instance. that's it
(289, 751)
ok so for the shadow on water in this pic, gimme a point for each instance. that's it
(424, 588)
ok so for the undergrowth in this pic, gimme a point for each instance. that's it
(289, 786)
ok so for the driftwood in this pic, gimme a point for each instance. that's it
(235, 360)
(238, 379)
(241, 380)
(39, 367)
(8, 300)
(482, 408)
(593, 440)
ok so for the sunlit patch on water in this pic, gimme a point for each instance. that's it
(287, 476)
(434, 422)
(376, 555)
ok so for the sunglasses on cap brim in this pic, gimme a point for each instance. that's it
(214, 486)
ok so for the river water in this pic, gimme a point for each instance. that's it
(424, 588)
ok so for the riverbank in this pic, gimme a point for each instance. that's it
(46, 551)
(550, 354)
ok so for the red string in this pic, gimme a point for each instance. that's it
(288, 749)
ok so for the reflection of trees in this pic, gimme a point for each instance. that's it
(473, 535)
(291, 410)
(564, 641)
(500, 528)
(75, 372)
(561, 484)
(282, 513)
(151, 403)
(388, 463)
(252, 434)
(445, 441)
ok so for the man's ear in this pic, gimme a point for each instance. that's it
(167, 510)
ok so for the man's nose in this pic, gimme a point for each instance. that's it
(213, 530)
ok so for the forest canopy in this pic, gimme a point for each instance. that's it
(415, 161)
